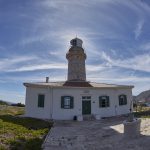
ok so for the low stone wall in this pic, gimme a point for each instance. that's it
(132, 129)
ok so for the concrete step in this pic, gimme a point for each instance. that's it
(88, 117)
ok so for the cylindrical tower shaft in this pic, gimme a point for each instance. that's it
(76, 61)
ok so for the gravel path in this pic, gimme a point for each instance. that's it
(106, 134)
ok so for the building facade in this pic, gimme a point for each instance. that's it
(76, 97)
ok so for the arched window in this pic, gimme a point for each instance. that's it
(122, 99)
(104, 101)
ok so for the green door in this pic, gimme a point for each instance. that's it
(86, 107)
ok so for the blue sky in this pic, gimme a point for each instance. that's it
(35, 36)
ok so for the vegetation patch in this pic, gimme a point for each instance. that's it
(20, 133)
(11, 110)
(142, 112)
(3, 102)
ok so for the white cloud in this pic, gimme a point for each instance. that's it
(93, 68)
(82, 3)
(138, 62)
(34, 78)
(32, 39)
(40, 67)
(118, 79)
(145, 46)
(7, 63)
(138, 29)
(106, 57)
(54, 25)
(140, 8)
(25, 63)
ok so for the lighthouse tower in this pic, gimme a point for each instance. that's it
(76, 61)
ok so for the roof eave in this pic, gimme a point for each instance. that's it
(53, 86)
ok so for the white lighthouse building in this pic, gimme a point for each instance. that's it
(76, 97)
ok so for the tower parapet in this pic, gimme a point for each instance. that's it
(76, 61)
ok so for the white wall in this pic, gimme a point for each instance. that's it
(53, 108)
(32, 109)
(63, 114)
(113, 110)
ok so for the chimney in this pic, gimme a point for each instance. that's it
(47, 79)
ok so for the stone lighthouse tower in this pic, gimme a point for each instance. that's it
(76, 61)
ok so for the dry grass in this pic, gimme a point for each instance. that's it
(17, 133)
(11, 110)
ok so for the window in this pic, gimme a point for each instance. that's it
(41, 98)
(67, 102)
(86, 97)
(122, 99)
(104, 101)
(74, 42)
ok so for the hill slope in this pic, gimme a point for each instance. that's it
(3, 102)
(143, 96)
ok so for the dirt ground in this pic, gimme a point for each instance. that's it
(105, 134)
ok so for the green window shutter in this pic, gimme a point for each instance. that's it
(125, 99)
(42, 101)
(41, 98)
(119, 99)
(100, 101)
(39, 101)
(107, 101)
(71, 102)
(62, 101)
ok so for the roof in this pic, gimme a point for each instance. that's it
(76, 84)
